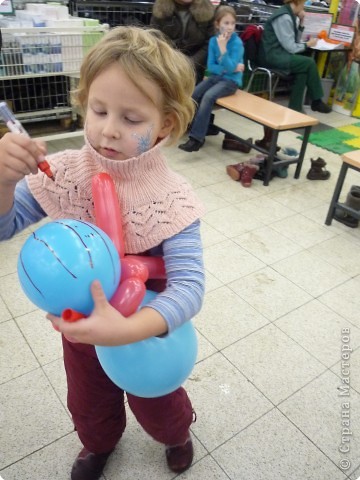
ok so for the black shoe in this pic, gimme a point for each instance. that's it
(212, 130)
(89, 466)
(319, 106)
(346, 219)
(192, 145)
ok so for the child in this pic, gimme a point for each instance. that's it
(225, 66)
(136, 93)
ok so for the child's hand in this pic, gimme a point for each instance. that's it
(301, 16)
(222, 40)
(240, 67)
(105, 325)
(19, 156)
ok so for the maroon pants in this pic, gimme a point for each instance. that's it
(97, 405)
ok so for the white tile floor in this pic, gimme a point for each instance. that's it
(281, 287)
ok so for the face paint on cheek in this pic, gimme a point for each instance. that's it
(143, 141)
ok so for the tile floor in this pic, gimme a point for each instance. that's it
(281, 288)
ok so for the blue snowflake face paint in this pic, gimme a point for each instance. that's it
(143, 141)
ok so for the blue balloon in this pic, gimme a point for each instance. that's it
(60, 260)
(153, 367)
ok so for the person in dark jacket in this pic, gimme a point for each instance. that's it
(189, 24)
(281, 48)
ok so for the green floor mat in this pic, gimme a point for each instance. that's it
(338, 140)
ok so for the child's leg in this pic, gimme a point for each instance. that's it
(167, 419)
(199, 126)
(95, 402)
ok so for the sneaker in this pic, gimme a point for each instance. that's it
(179, 457)
(319, 106)
(192, 145)
(288, 153)
(281, 172)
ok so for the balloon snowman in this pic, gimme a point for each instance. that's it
(56, 267)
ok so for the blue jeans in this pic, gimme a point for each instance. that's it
(205, 95)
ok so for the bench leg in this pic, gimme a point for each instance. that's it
(302, 151)
(336, 194)
(271, 156)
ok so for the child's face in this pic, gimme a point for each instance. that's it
(227, 24)
(121, 121)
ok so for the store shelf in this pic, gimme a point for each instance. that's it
(40, 66)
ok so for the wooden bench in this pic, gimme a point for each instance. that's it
(349, 160)
(276, 117)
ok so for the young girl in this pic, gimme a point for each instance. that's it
(225, 66)
(136, 92)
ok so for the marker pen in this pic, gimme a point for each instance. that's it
(15, 126)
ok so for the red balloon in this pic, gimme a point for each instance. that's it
(133, 267)
(107, 210)
(128, 296)
(154, 265)
(70, 315)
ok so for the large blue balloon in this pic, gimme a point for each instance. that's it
(155, 366)
(60, 260)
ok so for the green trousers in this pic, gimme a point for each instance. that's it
(305, 75)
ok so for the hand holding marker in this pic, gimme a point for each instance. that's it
(15, 126)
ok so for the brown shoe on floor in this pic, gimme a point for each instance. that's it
(318, 170)
(89, 466)
(180, 457)
(233, 144)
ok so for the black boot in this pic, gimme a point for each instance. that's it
(352, 201)
(192, 145)
(318, 170)
(320, 106)
(212, 129)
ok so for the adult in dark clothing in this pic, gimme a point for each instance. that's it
(281, 48)
(189, 24)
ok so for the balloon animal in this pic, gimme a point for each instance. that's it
(56, 267)
(158, 365)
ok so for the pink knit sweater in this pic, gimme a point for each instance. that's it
(156, 203)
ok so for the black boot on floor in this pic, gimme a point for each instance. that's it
(352, 201)
(319, 106)
(192, 145)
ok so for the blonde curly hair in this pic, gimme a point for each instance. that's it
(143, 53)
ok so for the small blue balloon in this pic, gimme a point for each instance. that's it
(60, 260)
(153, 367)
